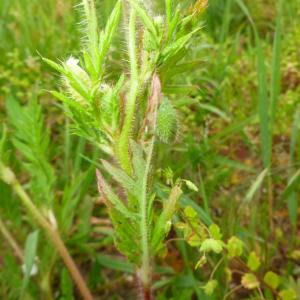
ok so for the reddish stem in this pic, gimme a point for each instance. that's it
(144, 292)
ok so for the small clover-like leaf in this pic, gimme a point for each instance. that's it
(235, 247)
(249, 281)
(253, 261)
(288, 294)
(214, 231)
(272, 279)
(213, 245)
(189, 212)
(194, 240)
(210, 287)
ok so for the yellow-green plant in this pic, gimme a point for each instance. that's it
(126, 117)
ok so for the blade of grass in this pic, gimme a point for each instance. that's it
(292, 199)
(263, 103)
(276, 74)
(115, 263)
(256, 186)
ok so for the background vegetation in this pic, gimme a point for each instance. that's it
(238, 141)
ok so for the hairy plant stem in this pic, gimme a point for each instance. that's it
(51, 231)
(146, 269)
(123, 145)
(146, 272)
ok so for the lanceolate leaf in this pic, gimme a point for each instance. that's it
(106, 37)
(292, 185)
(256, 186)
(121, 177)
(111, 198)
(30, 254)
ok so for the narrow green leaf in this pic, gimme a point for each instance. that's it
(292, 199)
(54, 65)
(66, 285)
(178, 45)
(106, 38)
(292, 185)
(215, 110)
(106, 191)
(30, 254)
(263, 104)
(168, 5)
(115, 263)
(276, 74)
(122, 178)
(256, 186)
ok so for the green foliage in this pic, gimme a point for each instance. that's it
(253, 261)
(272, 279)
(249, 281)
(213, 245)
(66, 286)
(235, 247)
(288, 294)
(210, 287)
(10, 277)
(32, 139)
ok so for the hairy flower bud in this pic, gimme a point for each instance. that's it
(166, 121)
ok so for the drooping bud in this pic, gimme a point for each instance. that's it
(72, 64)
(76, 81)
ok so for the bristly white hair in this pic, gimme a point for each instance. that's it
(147, 5)
(84, 23)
